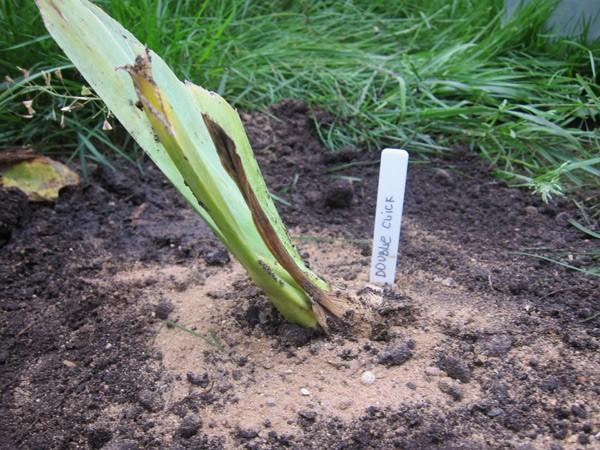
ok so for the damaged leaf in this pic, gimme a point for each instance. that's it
(197, 139)
(40, 178)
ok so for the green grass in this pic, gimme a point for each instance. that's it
(426, 76)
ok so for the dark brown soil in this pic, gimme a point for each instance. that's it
(77, 343)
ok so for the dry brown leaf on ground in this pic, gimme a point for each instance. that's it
(39, 177)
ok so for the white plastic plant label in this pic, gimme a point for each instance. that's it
(388, 215)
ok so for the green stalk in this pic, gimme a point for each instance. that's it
(199, 142)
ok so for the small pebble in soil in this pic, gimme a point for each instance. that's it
(267, 364)
(163, 309)
(189, 426)
(433, 371)
(270, 401)
(198, 380)
(305, 392)
(217, 257)
(452, 388)
(367, 377)
(395, 354)
(411, 385)
(495, 412)
(455, 368)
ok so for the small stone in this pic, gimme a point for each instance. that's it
(452, 388)
(217, 293)
(367, 377)
(267, 365)
(189, 426)
(305, 392)
(556, 447)
(411, 385)
(495, 412)
(448, 282)
(433, 371)
(163, 309)
(270, 401)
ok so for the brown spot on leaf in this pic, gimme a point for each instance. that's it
(232, 163)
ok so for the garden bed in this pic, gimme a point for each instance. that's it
(479, 347)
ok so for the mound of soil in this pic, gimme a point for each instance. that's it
(125, 324)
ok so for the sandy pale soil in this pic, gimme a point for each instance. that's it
(125, 324)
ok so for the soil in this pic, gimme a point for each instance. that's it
(126, 325)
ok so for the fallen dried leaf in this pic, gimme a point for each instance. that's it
(40, 178)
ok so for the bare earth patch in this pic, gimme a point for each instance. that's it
(125, 324)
